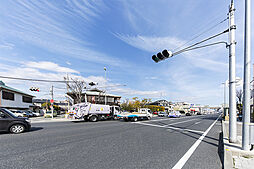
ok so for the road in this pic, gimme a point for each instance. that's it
(158, 143)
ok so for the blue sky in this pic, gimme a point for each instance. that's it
(48, 39)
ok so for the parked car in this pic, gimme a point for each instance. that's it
(11, 123)
(199, 113)
(48, 114)
(174, 114)
(36, 114)
(162, 114)
(19, 113)
(28, 113)
(155, 113)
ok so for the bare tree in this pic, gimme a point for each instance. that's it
(239, 95)
(76, 88)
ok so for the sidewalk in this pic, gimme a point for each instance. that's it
(234, 156)
(59, 118)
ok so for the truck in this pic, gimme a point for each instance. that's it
(143, 113)
(92, 112)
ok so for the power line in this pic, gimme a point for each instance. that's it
(36, 80)
(201, 33)
(211, 37)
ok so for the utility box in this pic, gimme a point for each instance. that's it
(251, 134)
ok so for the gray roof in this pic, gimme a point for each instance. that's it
(3, 86)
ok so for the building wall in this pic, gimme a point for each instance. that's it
(17, 103)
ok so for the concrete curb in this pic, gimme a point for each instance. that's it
(234, 156)
(228, 160)
(48, 120)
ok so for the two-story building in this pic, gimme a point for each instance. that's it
(166, 104)
(14, 99)
(97, 96)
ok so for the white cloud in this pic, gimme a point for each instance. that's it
(50, 66)
(151, 44)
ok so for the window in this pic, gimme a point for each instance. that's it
(2, 115)
(7, 95)
(27, 99)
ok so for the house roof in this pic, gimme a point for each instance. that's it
(3, 86)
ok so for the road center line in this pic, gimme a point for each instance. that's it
(174, 128)
(188, 154)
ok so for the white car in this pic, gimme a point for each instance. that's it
(18, 113)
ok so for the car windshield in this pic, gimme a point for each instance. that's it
(10, 112)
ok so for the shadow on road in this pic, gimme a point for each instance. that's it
(31, 130)
(221, 149)
(35, 129)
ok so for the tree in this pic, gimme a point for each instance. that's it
(239, 96)
(76, 88)
(136, 104)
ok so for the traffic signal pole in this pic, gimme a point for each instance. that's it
(232, 88)
(52, 96)
(246, 82)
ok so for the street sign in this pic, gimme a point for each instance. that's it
(51, 101)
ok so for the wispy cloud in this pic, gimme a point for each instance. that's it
(50, 66)
(150, 44)
(41, 23)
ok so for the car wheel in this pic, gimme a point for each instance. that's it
(134, 119)
(93, 118)
(149, 118)
(17, 128)
(115, 117)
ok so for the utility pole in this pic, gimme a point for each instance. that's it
(105, 85)
(232, 88)
(246, 82)
(52, 97)
(67, 88)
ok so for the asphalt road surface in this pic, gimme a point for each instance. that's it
(158, 143)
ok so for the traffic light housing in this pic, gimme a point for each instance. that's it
(36, 89)
(92, 84)
(162, 55)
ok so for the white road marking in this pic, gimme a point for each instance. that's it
(174, 128)
(191, 117)
(197, 122)
(180, 122)
(188, 154)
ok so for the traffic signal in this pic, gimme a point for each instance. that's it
(92, 84)
(162, 55)
(36, 89)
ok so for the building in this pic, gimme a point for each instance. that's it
(14, 99)
(166, 104)
(97, 96)
(62, 104)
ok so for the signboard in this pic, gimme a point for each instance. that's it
(51, 101)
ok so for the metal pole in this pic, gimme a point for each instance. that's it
(225, 93)
(232, 89)
(67, 87)
(52, 107)
(85, 93)
(246, 82)
(105, 85)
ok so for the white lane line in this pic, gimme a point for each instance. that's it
(197, 122)
(180, 122)
(188, 154)
(174, 128)
(191, 117)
